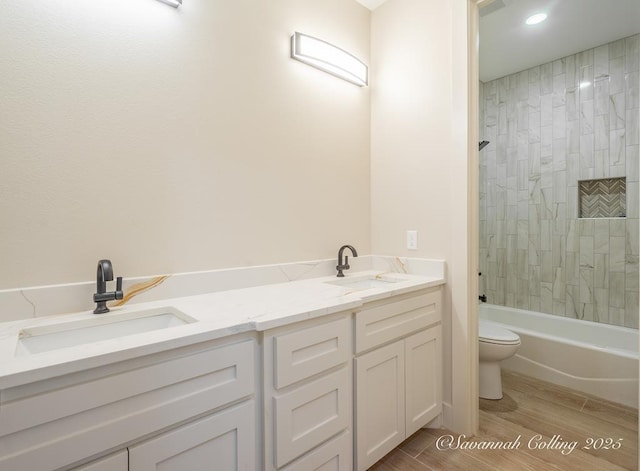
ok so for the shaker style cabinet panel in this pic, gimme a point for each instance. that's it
(394, 318)
(117, 462)
(224, 441)
(306, 352)
(423, 378)
(380, 403)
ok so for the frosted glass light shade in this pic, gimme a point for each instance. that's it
(173, 3)
(329, 58)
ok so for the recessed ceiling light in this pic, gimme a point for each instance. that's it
(537, 18)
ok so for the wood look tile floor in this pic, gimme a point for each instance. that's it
(536, 411)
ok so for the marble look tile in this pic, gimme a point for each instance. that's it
(617, 227)
(616, 49)
(586, 117)
(631, 237)
(573, 238)
(546, 267)
(586, 154)
(617, 111)
(558, 66)
(560, 186)
(601, 270)
(572, 303)
(534, 250)
(534, 280)
(601, 305)
(586, 285)
(632, 161)
(572, 101)
(534, 191)
(546, 209)
(546, 78)
(617, 148)
(522, 270)
(534, 303)
(572, 269)
(545, 234)
(534, 127)
(633, 196)
(601, 98)
(573, 168)
(559, 226)
(586, 227)
(631, 309)
(601, 236)
(546, 141)
(586, 83)
(523, 116)
(601, 132)
(586, 252)
(558, 307)
(584, 58)
(632, 90)
(572, 202)
(632, 126)
(571, 75)
(573, 136)
(616, 76)
(586, 312)
(632, 282)
(616, 290)
(559, 288)
(617, 254)
(522, 295)
(601, 168)
(616, 316)
(601, 61)
(558, 95)
(546, 298)
(560, 121)
(558, 250)
(632, 54)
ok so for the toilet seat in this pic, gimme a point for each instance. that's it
(489, 332)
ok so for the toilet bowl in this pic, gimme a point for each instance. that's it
(496, 344)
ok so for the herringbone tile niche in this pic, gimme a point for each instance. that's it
(603, 198)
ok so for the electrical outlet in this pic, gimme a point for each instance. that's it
(412, 240)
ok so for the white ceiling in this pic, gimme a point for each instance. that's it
(507, 45)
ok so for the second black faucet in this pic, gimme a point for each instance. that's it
(344, 266)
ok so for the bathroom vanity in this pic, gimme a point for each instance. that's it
(313, 381)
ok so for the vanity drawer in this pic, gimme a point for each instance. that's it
(304, 353)
(335, 455)
(384, 321)
(311, 414)
(88, 412)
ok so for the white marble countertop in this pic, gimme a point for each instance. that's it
(218, 315)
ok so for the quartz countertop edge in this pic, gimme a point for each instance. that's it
(218, 315)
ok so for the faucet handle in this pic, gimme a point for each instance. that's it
(118, 293)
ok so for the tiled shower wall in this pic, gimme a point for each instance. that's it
(575, 118)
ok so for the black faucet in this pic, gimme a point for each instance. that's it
(105, 273)
(344, 266)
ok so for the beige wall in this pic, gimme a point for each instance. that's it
(420, 180)
(176, 140)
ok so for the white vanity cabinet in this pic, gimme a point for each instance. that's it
(308, 395)
(397, 371)
(182, 407)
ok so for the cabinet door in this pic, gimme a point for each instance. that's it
(380, 403)
(224, 441)
(423, 383)
(116, 462)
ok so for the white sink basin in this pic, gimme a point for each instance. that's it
(103, 327)
(365, 283)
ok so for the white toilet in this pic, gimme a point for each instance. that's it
(496, 344)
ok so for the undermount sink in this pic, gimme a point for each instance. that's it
(365, 283)
(104, 327)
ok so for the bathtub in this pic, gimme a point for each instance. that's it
(594, 358)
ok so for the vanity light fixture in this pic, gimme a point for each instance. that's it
(173, 3)
(535, 19)
(329, 58)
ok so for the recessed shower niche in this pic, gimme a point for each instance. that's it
(603, 198)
